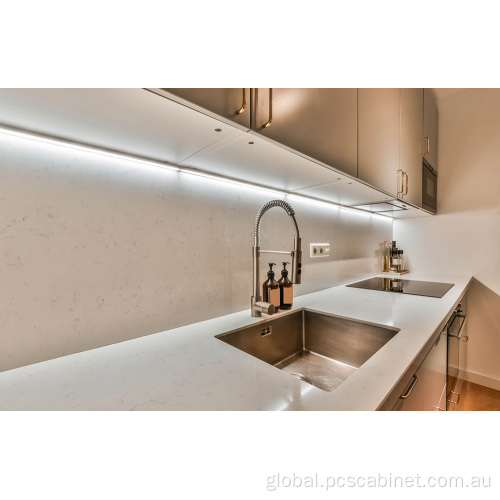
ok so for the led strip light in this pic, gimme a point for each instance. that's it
(172, 167)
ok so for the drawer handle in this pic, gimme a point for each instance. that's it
(459, 335)
(270, 110)
(408, 392)
(244, 104)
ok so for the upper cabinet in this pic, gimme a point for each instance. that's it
(378, 138)
(375, 135)
(353, 147)
(319, 123)
(233, 104)
(430, 128)
(410, 143)
(132, 121)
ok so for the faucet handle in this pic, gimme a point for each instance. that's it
(296, 261)
(264, 307)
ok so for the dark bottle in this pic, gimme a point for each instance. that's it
(401, 263)
(271, 289)
(286, 289)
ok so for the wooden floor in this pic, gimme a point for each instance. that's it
(474, 397)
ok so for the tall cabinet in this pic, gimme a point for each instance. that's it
(320, 123)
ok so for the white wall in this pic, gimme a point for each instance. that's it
(95, 250)
(465, 236)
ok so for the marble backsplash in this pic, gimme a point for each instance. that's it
(96, 250)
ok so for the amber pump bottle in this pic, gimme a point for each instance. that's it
(286, 289)
(271, 289)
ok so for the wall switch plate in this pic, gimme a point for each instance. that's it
(320, 250)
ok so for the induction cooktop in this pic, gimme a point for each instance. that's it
(410, 287)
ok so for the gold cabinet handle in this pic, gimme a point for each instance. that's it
(244, 104)
(400, 191)
(406, 182)
(408, 392)
(270, 110)
(428, 145)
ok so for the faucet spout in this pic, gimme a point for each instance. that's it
(257, 307)
(270, 204)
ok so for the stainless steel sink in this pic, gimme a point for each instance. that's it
(318, 348)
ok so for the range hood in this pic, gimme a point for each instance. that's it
(384, 207)
(393, 208)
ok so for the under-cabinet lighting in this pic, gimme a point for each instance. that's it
(359, 211)
(33, 136)
(221, 178)
(88, 149)
(313, 201)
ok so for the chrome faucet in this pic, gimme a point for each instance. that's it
(257, 306)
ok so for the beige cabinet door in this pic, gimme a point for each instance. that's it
(430, 128)
(378, 138)
(410, 156)
(428, 381)
(319, 123)
(233, 104)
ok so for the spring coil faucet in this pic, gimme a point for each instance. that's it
(257, 306)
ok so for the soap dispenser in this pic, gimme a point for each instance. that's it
(271, 289)
(286, 289)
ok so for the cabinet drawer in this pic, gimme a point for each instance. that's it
(425, 390)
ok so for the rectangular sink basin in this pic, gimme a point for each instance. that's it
(320, 349)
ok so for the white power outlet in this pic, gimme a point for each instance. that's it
(320, 250)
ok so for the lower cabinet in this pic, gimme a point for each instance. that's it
(426, 390)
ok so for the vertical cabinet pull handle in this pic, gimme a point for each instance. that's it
(400, 191)
(406, 182)
(408, 392)
(428, 139)
(270, 110)
(458, 398)
(244, 104)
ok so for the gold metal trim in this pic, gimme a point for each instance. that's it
(244, 104)
(428, 145)
(270, 110)
(400, 191)
(408, 392)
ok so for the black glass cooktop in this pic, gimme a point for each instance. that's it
(410, 287)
